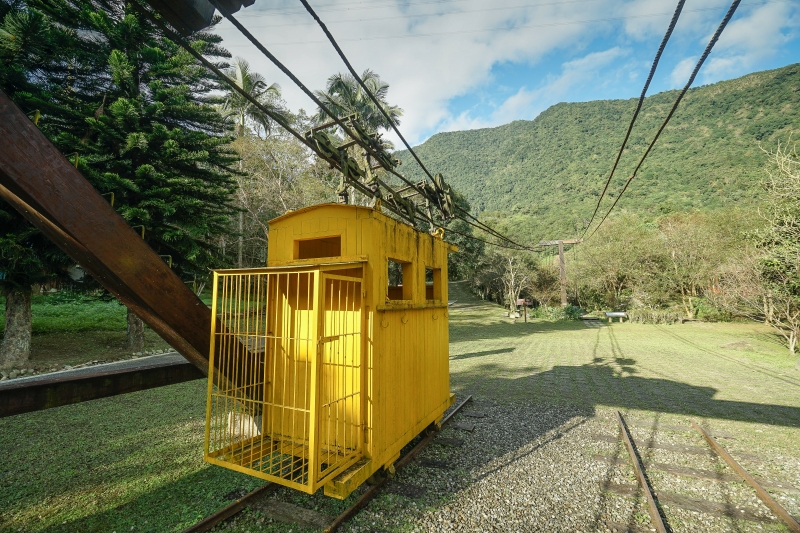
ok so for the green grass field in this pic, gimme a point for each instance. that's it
(134, 462)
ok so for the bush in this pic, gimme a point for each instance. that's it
(572, 312)
(654, 316)
(709, 313)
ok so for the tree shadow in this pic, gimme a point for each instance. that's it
(613, 382)
(481, 354)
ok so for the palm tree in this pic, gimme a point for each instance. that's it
(241, 110)
(343, 96)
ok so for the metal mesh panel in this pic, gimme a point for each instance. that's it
(340, 383)
(259, 403)
(274, 344)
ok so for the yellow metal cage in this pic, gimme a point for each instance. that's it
(285, 376)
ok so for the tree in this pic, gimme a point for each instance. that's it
(240, 109)
(515, 277)
(765, 283)
(160, 146)
(693, 246)
(140, 116)
(28, 41)
(545, 284)
(619, 264)
(766, 286)
(343, 96)
(278, 173)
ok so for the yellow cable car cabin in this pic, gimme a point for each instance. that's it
(330, 360)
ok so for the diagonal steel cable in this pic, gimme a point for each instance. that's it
(389, 120)
(663, 45)
(707, 51)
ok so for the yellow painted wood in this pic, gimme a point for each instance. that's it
(339, 375)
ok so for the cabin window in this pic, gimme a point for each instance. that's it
(433, 283)
(400, 279)
(316, 248)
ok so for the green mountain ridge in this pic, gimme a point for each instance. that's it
(540, 179)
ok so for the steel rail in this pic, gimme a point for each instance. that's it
(652, 506)
(226, 512)
(763, 495)
(375, 489)
(234, 508)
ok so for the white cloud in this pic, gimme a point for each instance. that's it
(748, 40)
(425, 71)
(680, 74)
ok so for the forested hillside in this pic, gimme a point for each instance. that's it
(543, 177)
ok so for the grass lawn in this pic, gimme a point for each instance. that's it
(70, 329)
(134, 462)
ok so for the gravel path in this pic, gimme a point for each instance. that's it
(543, 468)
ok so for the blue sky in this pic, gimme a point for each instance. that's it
(463, 64)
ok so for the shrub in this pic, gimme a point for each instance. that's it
(654, 316)
(570, 312)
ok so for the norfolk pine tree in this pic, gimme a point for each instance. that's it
(137, 112)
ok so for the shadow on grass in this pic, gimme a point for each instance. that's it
(484, 352)
(500, 329)
(607, 382)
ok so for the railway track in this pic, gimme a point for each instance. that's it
(657, 517)
(245, 501)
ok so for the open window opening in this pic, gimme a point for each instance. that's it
(400, 280)
(433, 283)
(318, 248)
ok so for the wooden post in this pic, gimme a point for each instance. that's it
(562, 266)
(562, 263)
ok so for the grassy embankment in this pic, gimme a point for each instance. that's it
(135, 461)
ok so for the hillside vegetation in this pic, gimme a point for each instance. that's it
(540, 179)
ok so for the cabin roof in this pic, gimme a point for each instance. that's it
(290, 214)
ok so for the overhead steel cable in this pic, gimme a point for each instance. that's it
(261, 48)
(506, 29)
(364, 85)
(663, 45)
(176, 38)
(380, 108)
(707, 51)
(255, 42)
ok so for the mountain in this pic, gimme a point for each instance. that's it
(540, 179)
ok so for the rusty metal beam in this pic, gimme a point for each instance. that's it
(53, 195)
(24, 397)
(763, 495)
(652, 507)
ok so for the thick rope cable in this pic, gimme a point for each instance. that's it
(389, 120)
(364, 85)
(663, 45)
(683, 92)
(175, 37)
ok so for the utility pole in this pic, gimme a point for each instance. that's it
(562, 263)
